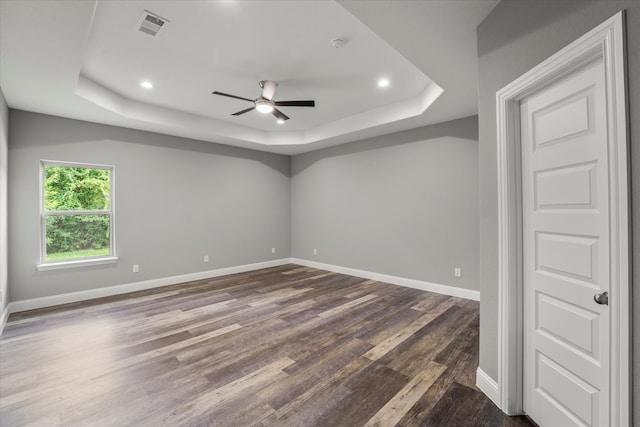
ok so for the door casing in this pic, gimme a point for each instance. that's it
(605, 42)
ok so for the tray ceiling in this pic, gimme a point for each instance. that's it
(86, 60)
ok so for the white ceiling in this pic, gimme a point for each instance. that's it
(86, 59)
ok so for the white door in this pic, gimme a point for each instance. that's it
(566, 248)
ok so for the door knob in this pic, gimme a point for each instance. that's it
(602, 299)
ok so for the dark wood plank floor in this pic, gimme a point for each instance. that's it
(285, 346)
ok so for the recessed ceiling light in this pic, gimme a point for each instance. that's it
(147, 84)
(338, 42)
(280, 121)
(383, 82)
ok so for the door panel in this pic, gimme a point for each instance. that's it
(569, 324)
(566, 251)
(562, 120)
(566, 187)
(565, 393)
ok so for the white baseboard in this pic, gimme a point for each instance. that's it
(34, 303)
(410, 283)
(488, 386)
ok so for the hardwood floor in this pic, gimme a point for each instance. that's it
(285, 346)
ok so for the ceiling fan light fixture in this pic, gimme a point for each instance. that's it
(280, 121)
(264, 106)
(265, 103)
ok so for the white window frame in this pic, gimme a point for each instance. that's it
(80, 262)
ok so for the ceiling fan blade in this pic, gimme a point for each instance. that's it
(232, 96)
(244, 111)
(279, 114)
(295, 103)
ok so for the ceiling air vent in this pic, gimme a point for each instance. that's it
(151, 23)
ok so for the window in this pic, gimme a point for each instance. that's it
(76, 209)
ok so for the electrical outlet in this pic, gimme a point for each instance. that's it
(136, 268)
(273, 250)
(457, 272)
(206, 258)
(315, 252)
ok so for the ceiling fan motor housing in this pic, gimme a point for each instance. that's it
(268, 88)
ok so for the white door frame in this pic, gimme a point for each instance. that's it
(603, 43)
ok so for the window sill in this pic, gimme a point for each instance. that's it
(77, 263)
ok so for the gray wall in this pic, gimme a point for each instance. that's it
(515, 37)
(176, 201)
(4, 144)
(404, 204)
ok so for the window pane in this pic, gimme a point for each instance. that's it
(77, 236)
(77, 188)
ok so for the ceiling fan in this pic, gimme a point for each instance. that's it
(265, 103)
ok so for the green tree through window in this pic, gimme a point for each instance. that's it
(77, 211)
